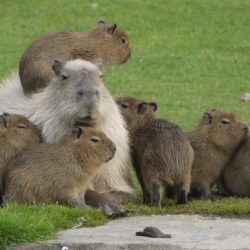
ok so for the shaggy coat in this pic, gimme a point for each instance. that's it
(161, 153)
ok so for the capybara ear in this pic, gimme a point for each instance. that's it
(57, 67)
(112, 29)
(99, 64)
(101, 22)
(153, 105)
(3, 123)
(77, 132)
(142, 107)
(207, 117)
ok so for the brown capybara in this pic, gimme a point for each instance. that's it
(161, 152)
(214, 141)
(236, 174)
(50, 173)
(16, 134)
(105, 42)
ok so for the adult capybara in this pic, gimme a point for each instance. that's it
(60, 172)
(106, 42)
(236, 174)
(214, 141)
(16, 134)
(77, 95)
(161, 152)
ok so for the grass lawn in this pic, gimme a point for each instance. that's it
(188, 55)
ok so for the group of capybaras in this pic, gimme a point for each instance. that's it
(64, 139)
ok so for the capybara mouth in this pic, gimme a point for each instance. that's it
(86, 120)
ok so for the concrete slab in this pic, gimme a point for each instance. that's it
(188, 232)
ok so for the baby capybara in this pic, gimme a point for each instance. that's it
(50, 173)
(161, 153)
(214, 141)
(106, 42)
(236, 174)
(16, 134)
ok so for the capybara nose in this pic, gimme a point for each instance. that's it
(5, 114)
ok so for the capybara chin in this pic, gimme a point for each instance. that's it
(61, 172)
(77, 95)
(236, 174)
(161, 153)
(16, 134)
(105, 42)
(214, 141)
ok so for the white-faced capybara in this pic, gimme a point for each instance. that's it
(214, 141)
(77, 95)
(161, 152)
(105, 42)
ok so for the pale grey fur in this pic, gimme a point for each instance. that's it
(56, 113)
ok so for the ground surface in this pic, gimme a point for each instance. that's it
(188, 232)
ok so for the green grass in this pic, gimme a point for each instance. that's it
(188, 55)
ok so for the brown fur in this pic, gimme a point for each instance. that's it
(16, 134)
(214, 141)
(49, 173)
(162, 154)
(236, 175)
(105, 42)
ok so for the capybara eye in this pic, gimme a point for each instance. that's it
(95, 139)
(124, 105)
(21, 125)
(97, 92)
(80, 93)
(123, 40)
(64, 77)
(225, 122)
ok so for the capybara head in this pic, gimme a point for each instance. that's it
(78, 87)
(136, 112)
(225, 130)
(18, 131)
(93, 145)
(112, 43)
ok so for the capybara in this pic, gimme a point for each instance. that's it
(77, 95)
(16, 134)
(214, 141)
(105, 42)
(236, 174)
(58, 173)
(161, 153)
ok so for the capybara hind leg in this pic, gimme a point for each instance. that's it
(183, 189)
(97, 200)
(156, 194)
(120, 197)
